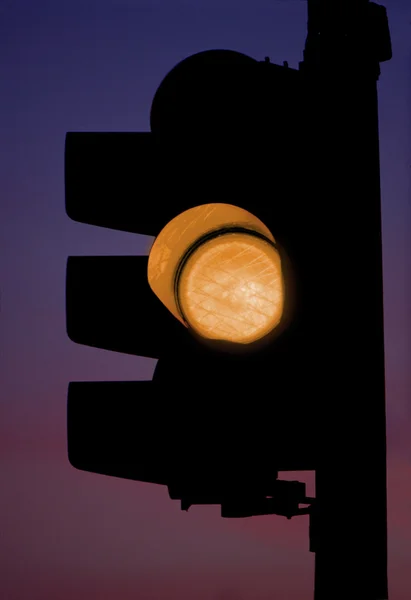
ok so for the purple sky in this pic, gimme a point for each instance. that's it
(94, 66)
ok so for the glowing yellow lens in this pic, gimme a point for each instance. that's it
(231, 288)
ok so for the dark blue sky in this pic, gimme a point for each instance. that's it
(94, 66)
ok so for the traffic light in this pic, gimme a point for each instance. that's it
(245, 298)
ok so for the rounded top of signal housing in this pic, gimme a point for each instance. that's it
(211, 90)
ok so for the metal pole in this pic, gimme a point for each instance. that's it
(341, 60)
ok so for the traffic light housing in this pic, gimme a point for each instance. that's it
(217, 422)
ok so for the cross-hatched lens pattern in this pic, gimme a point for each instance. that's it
(231, 288)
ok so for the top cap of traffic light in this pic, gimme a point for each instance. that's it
(217, 269)
(211, 91)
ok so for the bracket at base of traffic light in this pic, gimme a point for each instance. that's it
(284, 501)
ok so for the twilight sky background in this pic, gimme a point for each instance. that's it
(94, 66)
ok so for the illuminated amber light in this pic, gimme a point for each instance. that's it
(231, 288)
(216, 268)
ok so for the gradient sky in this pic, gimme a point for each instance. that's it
(94, 66)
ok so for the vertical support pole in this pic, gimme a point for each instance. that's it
(349, 538)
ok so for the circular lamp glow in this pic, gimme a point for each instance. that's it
(230, 287)
(217, 270)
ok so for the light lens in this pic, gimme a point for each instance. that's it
(231, 288)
